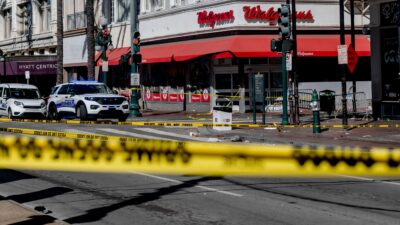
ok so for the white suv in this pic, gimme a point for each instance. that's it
(87, 100)
(21, 100)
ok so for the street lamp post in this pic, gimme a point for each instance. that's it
(104, 42)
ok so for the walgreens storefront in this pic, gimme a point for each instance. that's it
(212, 49)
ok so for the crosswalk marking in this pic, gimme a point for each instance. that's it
(75, 131)
(150, 130)
(198, 186)
(131, 134)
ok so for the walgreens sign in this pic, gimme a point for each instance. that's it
(251, 13)
(210, 18)
(271, 15)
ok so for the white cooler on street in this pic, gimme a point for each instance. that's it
(222, 116)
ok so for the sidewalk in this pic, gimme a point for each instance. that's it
(363, 137)
(14, 213)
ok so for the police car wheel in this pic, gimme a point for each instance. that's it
(10, 115)
(53, 115)
(122, 118)
(81, 112)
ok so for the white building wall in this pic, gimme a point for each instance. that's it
(182, 20)
(17, 43)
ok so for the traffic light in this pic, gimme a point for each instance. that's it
(276, 45)
(136, 42)
(136, 56)
(287, 45)
(284, 21)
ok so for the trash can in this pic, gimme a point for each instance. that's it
(222, 118)
(327, 101)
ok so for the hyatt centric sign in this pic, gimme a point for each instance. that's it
(49, 67)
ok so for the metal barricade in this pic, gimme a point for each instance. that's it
(363, 105)
(305, 99)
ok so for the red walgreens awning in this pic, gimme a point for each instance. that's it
(244, 46)
(113, 57)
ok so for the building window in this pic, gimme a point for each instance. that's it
(80, 20)
(45, 15)
(174, 3)
(158, 4)
(124, 10)
(7, 23)
(146, 6)
(24, 19)
(112, 15)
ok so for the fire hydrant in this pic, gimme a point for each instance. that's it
(315, 108)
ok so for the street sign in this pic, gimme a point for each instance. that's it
(135, 79)
(259, 87)
(27, 74)
(352, 59)
(288, 61)
(104, 67)
(342, 54)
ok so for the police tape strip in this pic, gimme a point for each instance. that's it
(197, 124)
(154, 156)
(59, 134)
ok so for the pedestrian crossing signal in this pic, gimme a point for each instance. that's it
(276, 45)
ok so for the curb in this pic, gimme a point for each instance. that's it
(12, 212)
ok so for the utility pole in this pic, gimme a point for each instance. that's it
(296, 118)
(343, 66)
(135, 55)
(353, 44)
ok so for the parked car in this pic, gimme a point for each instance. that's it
(87, 100)
(21, 100)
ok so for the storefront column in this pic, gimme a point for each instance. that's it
(213, 97)
(96, 72)
(65, 75)
(242, 89)
(376, 75)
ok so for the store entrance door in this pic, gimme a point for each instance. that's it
(228, 87)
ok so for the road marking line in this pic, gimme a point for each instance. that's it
(75, 131)
(150, 130)
(369, 179)
(134, 134)
(180, 182)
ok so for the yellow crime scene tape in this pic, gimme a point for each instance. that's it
(60, 134)
(198, 124)
(191, 158)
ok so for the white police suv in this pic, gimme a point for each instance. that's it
(87, 100)
(21, 100)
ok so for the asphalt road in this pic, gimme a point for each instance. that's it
(137, 198)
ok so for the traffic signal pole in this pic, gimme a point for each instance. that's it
(343, 66)
(285, 120)
(284, 31)
(134, 107)
(353, 43)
